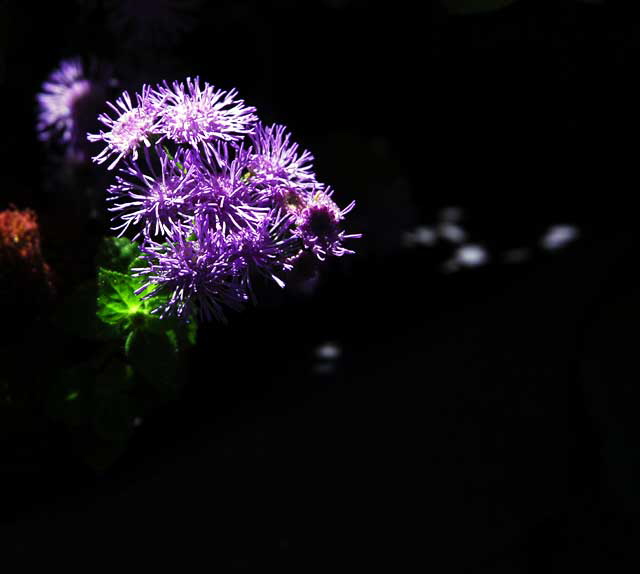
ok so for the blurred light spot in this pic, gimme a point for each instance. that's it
(518, 255)
(329, 351)
(422, 235)
(425, 235)
(471, 255)
(137, 421)
(452, 232)
(450, 214)
(558, 236)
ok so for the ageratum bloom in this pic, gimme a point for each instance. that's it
(213, 209)
(274, 158)
(65, 87)
(318, 224)
(224, 198)
(196, 115)
(156, 196)
(195, 270)
(264, 249)
(133, 126)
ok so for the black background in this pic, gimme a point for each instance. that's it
(485, 419)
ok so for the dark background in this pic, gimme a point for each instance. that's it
(484, 418)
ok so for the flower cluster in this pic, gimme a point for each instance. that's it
(215, 198)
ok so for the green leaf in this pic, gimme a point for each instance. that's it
(117, 253)
(475, 6)
(154, 356)
(117, 302)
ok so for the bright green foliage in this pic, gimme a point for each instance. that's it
(118, 304)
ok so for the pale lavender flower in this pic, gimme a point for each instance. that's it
(273, 157)
(68, 104)
(60, 94)
(203, 115)
(133, 126)
(155, 197)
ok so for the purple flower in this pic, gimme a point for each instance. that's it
(224, 198)
(133, 126)
(156, 199)
(264, 249)
(212, 210)
(68, 104)
(197, 274)
(274, 158)
(195, 115)
(65, 87)
(318, 225)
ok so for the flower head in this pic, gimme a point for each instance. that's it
(224, 198)
(155, 199)
(318, 225)
(264, 249)
(193, 115)
(195, 271)
(132, 127)
(273, 157)
(68, 102)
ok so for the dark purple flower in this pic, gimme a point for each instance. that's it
(318, 225)
(201, 115)
(133, 126)
(154, 200)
